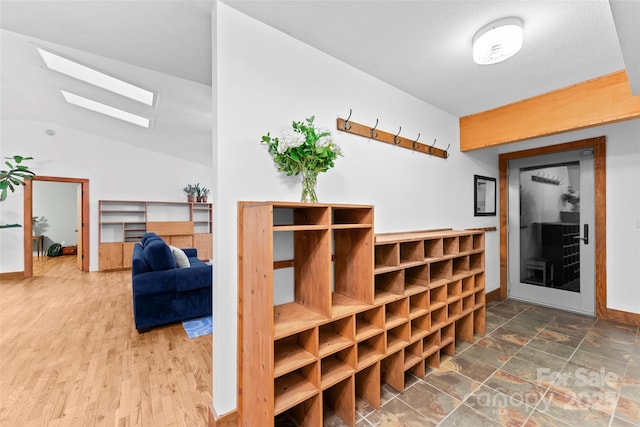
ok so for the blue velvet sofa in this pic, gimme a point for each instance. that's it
(163, 292)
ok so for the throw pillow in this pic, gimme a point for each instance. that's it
(181, 258)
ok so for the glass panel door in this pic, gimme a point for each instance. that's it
(551, 261)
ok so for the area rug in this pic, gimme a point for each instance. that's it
(198, 327)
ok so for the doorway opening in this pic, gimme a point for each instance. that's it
(82, 206)
(598, 243)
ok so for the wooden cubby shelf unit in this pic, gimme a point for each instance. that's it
(350, 311)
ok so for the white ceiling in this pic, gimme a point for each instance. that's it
(421, 47)
(424, 47)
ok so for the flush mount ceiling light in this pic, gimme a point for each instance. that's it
(107, 110)
(497, 41)
(96, 78)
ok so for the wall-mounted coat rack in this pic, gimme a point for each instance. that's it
(546, 179)
(372, 132)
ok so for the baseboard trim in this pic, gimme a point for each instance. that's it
(12, 276)
(230, 419)
(623, 317)
(494, 295)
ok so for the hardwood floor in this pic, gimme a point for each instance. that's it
(71, 356)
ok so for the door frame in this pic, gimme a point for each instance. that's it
(28, 213)
(600, 191)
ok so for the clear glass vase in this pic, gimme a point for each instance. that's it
(309, 179)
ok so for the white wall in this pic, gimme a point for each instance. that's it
(58, 203)
(623, 206)
(115, 171)
(265, 80)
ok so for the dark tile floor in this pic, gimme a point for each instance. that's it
(535, 366)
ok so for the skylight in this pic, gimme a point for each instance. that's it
(96, 78)
(101, 108)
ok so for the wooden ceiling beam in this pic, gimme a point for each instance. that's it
(603, 100)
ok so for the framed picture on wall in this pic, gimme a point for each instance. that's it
(484, 196)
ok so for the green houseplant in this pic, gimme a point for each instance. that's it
(204, 193)
(306, 150)
(190, 191)
(15, 175)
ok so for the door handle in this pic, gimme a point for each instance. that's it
(585, 239)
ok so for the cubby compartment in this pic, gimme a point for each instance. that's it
(468, 304)
(450, 245)
(392, 370)
(433, 248)
(310, 249)
(479, 281)
(437, 297)
(438, 318)
(440, 273)
(476, 262)
(295, 351)
(468, 286)
(461, 266)
(454, 291)
(289, 216)
(339, 401)
(387, 257)
(416, 279)
(464, 327)
(286, 319)
(432, 361)
(465, 244)
(388, 286)
(479, 297)
(411, 252)
(397, 338)
(412, 355)
(420, 326)
(369, 323)
(370, 351)
(448, 339)
(352, 260)
(431, 343)
(352, 215)
(368, 385)
(418, 304)
(335, 336)
(296, 387)
(396, 313)
(305, 414)
(478, 242)
(338, 366)
(454, 310)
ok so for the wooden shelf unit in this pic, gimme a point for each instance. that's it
(123, 223)
(363, 309)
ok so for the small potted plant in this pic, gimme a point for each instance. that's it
(204, 193)
(190, 191)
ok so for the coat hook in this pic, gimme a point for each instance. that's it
(374, 135)
(346, 124)
(432, 145)
(446, 151)
(396, 141)
(416, 141)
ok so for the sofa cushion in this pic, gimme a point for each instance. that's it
(148, 237)
(158, 255)
(138, 264)
(181, 258)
